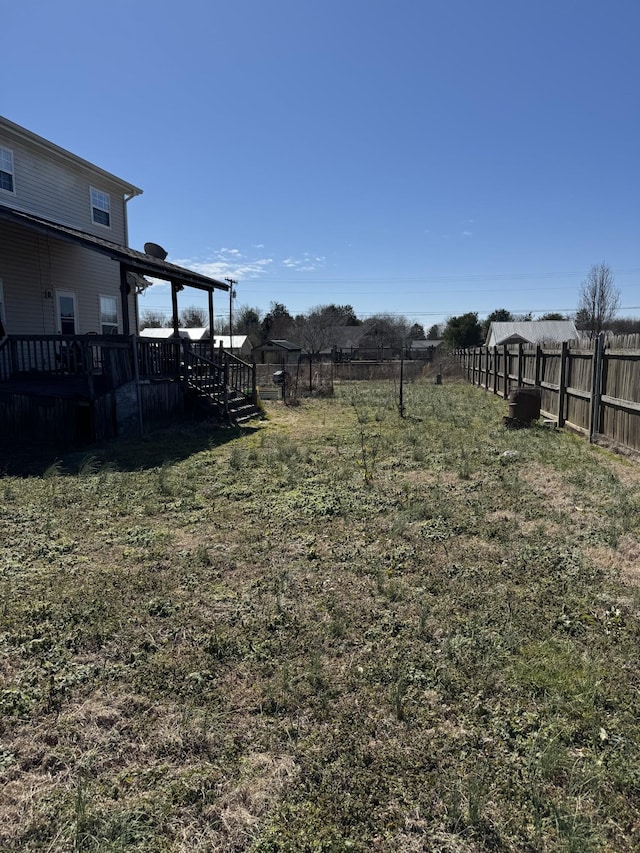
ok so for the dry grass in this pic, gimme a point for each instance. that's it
(338, 630)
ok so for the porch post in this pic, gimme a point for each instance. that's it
(174, 307)
(211, 338)
(124, 300)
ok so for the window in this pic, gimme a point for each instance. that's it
(100, 207)
(6, 170)
(108, 315)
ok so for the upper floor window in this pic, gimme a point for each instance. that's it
(100, 207)
(6, 170)
(108, 315)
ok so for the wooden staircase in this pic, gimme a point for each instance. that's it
(225, 387)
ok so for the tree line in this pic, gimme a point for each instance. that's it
(313, 331)
(598, 304)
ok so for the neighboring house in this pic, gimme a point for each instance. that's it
(162, 333)
(239, 345)
(277, 352)
(343, 343)
(531, 332)
(349, 343)
(67, 272)
(423, 349)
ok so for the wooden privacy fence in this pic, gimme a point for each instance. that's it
(592, 387)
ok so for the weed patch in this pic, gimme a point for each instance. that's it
(339, 630)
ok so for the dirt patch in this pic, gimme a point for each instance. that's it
(552, 487)
(624, 561)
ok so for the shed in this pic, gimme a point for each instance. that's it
(277, 352)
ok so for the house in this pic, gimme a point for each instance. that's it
(69, 284)
(66, 265)
(423, 349)
(277, 352)
(343, 342)
(531, 332)
(239, 345)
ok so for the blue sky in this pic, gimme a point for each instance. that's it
(421, 157)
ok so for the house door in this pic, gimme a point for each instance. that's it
(66, 312)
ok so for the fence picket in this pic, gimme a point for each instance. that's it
(594, 389)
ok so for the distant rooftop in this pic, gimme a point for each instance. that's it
(531, 332)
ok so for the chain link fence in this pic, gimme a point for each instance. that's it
(318, 378)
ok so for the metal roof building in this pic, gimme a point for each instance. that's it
(531, 332)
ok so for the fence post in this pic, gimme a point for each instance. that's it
(254, 385)
(562, 389)
(86, 360)
(596, 375)
(495, 369)
(538, 365)
(486, 363)
(520, 359)
(13, 357)
(505, 371)
(225, 391)
(136, 376)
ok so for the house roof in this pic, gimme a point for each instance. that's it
(284, 345)
(133, 260)
(225, 340)
(531, 331)
(194, 333)
(160, 333)
(426, 343)
(344, 337)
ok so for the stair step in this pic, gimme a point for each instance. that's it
(239, 408)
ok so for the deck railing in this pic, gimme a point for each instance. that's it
(38, 356)
(224, 369)
(119, 359)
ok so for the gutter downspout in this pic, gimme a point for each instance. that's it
(127, 198)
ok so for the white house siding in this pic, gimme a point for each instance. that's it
(33, 266)
(56, 186)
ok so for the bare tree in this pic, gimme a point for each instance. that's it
(152, 319)
(599, 300)
(315, 330)
(193, 317)
(385, 332)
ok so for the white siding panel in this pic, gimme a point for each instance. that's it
(33, 265)
(58, 189)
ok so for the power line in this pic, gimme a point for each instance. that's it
(430, 278)
(443, 313)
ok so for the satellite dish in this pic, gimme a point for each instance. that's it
(155, 251)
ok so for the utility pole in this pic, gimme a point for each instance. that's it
(232, 294)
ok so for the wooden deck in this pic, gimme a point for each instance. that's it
(84, 388)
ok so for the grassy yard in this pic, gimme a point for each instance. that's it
(338, 630)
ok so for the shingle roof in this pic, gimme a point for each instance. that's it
(284, 344)
(131, 258)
